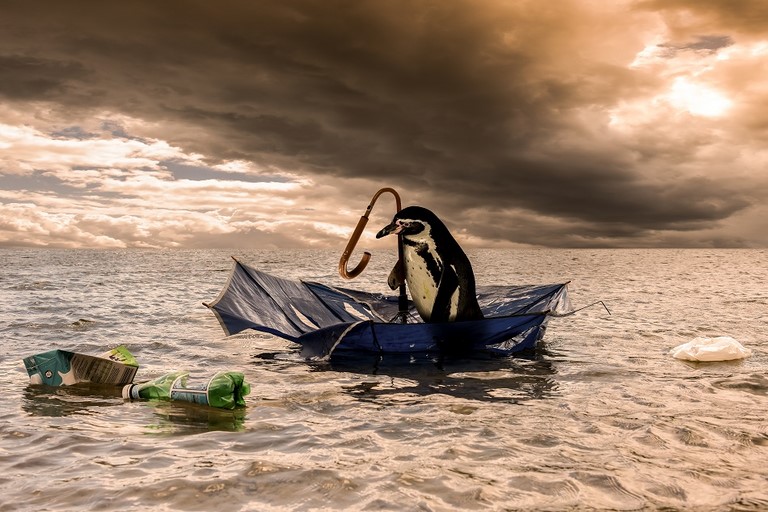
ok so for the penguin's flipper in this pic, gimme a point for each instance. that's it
(447, 286)
(396, 277)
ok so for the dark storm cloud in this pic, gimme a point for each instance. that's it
(26, 77)
(706, 44)
(461, 102)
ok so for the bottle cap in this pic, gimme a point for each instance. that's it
(127, 391)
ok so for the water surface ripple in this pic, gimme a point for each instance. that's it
(600, 417)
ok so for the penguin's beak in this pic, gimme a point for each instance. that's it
(393, 228)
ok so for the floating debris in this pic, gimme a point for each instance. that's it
(721, 348)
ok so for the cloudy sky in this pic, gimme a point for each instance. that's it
(249, 123)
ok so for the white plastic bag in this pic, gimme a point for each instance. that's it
(721, 348)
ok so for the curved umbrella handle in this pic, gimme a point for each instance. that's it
(350, 274)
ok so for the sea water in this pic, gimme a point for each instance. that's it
(600, 416)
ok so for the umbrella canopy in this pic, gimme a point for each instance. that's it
(326, 319)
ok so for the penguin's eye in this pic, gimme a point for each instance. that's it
(411, 227)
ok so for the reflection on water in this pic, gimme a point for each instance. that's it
(40, 400)
(188, 418)
(484, 377)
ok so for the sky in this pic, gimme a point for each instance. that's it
(259, 124)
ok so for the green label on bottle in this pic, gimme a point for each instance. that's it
(194, 394)
(190, 395)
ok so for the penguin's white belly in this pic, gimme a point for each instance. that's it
(424, 286)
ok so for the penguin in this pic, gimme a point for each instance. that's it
(437, 270)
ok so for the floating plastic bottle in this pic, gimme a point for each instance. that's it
(156, 388)
(225, 390)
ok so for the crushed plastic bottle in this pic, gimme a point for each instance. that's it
(156, 388)
(225, 390)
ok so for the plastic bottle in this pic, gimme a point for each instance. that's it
(157, 388)
(225, 390)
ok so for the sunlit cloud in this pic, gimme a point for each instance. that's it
(25, 149)
(697, 99)
(119, 191)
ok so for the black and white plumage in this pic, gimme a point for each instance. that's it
(437, 270)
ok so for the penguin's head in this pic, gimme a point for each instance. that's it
(413, 222)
